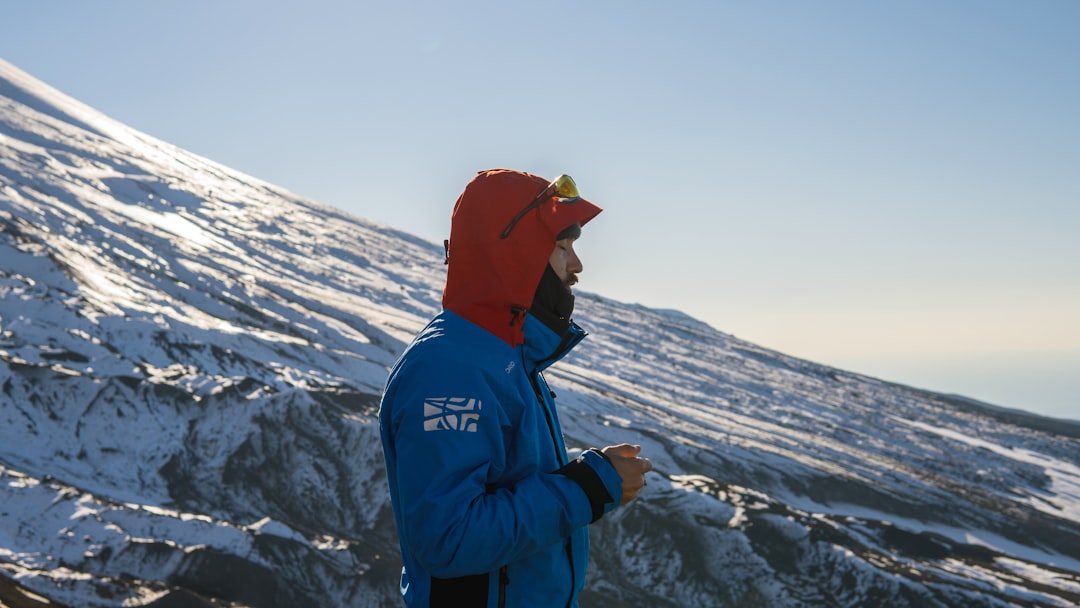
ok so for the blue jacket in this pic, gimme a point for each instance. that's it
(490, 510)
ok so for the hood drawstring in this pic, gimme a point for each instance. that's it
(517, 315)
(517, 325)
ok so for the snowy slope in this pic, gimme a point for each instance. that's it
(190, 364)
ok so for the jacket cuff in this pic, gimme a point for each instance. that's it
(597, 478)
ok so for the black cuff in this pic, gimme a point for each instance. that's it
(585, 476)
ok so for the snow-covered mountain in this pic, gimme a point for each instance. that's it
(190, 367)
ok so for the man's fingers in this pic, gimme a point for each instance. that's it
(624, 449)
(631, 467)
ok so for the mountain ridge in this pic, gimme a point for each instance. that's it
(191, 365)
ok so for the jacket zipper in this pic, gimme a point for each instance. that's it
(565, 344)
(504, 580)
(560, 455)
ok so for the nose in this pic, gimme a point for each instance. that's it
(573, 263)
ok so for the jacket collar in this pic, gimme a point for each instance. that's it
(543, 346)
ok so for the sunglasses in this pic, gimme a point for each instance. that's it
(563, 188)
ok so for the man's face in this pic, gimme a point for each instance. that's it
(565, 262)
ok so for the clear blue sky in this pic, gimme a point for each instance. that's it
(889, 187)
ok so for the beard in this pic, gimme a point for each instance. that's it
(554, 300)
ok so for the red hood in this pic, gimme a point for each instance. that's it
(489, 278)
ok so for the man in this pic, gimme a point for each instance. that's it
(490, 510)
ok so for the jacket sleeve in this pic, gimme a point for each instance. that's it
(447, 434)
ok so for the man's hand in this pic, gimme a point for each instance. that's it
(630, 466)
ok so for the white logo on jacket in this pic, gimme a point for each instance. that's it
(451, 414)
